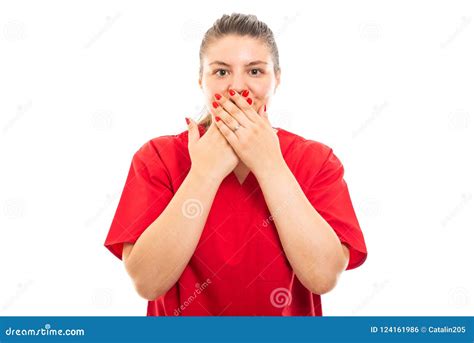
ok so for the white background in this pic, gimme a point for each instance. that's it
(389, 86)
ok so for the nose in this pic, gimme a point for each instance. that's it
(237, 90)
(238, 84)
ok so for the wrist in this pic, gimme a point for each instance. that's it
(275, 168)
(204, 176)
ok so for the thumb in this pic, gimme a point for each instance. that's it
(263, 112)
(193, 131)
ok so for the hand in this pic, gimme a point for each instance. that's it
(255, 141)
(211, 155)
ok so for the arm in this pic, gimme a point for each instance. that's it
(159, 256)
(311, 245)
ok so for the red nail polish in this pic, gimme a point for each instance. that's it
(265, 108)
(232, 92)
(218, 118)
(249, 101)
(215, 104)
(218, 96)
(245, 93)
(187, 120)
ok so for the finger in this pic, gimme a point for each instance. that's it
(227, 133)
(220, 112)
(263, 112)
(193, 131)
(233, 110)
(244, 102)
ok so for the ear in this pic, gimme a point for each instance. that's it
(200, 83)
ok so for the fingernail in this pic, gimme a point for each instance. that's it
(249, 101)
(218, 96)
(265, 108)
(218, 118)
(187, 120)
(232, 92)
(245, 93)
(215, 104)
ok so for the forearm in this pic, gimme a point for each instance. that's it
(161, 253)
(310, 244)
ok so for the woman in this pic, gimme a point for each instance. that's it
(233, 216)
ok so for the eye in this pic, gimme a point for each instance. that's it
(218, 72)
(258, 70)
(253, 72)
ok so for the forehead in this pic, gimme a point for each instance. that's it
(234, 49)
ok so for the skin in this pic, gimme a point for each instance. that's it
(157, 259)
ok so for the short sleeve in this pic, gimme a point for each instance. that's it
(146, 194)
(329, 195)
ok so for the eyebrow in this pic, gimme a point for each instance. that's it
(247, 65)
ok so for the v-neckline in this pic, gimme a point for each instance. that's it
(242, 191)
(244, 180)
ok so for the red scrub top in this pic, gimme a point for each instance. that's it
(239, 266)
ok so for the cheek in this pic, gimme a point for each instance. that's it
(209, 90)
(263, 90)
(208, 84)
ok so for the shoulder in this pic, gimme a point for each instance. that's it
(307, 152)
(164, 146)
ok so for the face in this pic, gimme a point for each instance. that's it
(239, 63)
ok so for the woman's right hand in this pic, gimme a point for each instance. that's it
(211, 155)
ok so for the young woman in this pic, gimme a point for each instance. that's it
(233, 216)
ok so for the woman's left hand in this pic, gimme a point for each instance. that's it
(255, 141)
